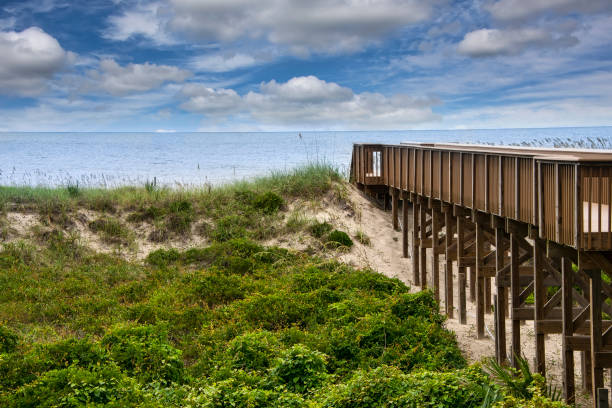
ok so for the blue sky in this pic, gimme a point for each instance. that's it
(267, 65)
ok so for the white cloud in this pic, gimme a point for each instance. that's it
(489, 42)
(145, 20)
(223, 63)
(29, 59)
(317, 25)
(132, 78)
(210, 101)
(525, 9)
(311, 103)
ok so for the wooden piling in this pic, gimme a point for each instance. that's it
(480, 290)
(567, 305)
(448, 269)
(500, 303)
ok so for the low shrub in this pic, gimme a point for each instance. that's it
(268, 202)
(300, 369)
(340, 238)
(253, 350)
(162, 258)
(144, 352)
(8, 340)
(75, 387)
(319, 229)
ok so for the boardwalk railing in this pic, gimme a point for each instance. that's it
(533, 221)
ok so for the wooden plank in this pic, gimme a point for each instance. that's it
(500, 304)
(448, 271)
(539, 292)
(416, 279)
(394, 209)
(596, 338)
(435, 267)
(422, 249)
(480, 290)
(515, 295)
(461, 271)
(548, 326)
(404, 226)
(569, 388)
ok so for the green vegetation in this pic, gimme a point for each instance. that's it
(232, 324)
(340, 238)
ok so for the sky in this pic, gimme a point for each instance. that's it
(289, 65)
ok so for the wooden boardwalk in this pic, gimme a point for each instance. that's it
(531, 225)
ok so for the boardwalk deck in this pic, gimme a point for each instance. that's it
(523, 221)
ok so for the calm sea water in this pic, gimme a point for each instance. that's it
(112, 159)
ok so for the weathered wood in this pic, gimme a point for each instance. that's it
(422, 249)
(515, 295)
(405, 225)
(394, 208)
(500, 304)
(596, 339)
(461, 271)
(416, 278)
(435, 265)
(448, 270)
(568, 331)
(556, 211)
(539, 292)
(480, 290)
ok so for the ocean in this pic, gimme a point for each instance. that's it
(195, 159)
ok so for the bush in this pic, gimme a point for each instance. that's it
(216, 288)
(421, 304)
(144, 352)
(300, 369)
(75, 387)
(162, 258)
(340, 238)
(268, 203)
(253, 350)
(389, 387)
(8, 340)
(318, 229)
(80, 352)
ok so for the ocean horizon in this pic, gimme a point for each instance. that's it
(112, 159)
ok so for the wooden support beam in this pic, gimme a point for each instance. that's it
(415, 243)
(500, 304)
(539, 292)
(461, 271)
(394, 208)
(404, 226)
(448, 270)
(596, 338)
(423, 249)
(435, 258)
(568, 331)
(480, 290)
(515, 295)
(585, 364)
